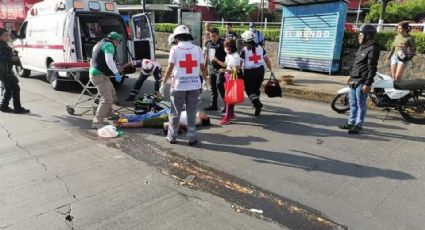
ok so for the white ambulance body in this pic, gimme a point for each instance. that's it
(67, 30)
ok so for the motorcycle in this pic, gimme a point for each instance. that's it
(405, 96)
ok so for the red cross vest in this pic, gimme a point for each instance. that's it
(187, 59)
(253, 60)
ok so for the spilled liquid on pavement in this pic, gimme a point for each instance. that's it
(244, 197)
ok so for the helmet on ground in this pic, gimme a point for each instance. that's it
(115, 36)
(182, 29)
(171, 40)
(248, 36)
(147, 65)
(369, 31)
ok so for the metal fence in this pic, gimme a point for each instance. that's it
(263, 25)
(416, 27)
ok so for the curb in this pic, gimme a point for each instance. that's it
(305, 93)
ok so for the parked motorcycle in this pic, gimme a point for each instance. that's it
(405, 96)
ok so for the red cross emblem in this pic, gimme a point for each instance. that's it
(255, 58)
(188, 64)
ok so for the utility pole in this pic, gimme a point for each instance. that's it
(262, 11)
(143, 2)
(358, 13)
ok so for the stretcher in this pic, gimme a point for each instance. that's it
(89, 96)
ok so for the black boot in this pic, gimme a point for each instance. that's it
(6, 109)
(258, 110)
(346, 126)
(355, 130)
(257, 105)
(21, 110)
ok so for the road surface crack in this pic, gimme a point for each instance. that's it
(66, 210)
(37, 160)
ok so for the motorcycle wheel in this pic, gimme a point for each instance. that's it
(340, 103)
(414, 110)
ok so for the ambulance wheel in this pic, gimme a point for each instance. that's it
(71, 111)
(55, 83)
(21, 72)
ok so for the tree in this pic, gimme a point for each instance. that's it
(396, 12)
(136, 2)
(232, 10)
(188, 4)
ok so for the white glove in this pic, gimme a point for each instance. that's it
(205, 85)
(162, 89)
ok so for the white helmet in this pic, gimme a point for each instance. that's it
(171, 40)
(248, 36)
(182, 29)
(147, 66)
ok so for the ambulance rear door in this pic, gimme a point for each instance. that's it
(142, 44)
(69, 42)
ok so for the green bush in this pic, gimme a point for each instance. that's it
(385, 39)
(165, 27)
(396, 11)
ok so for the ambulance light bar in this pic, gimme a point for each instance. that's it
(94, 6)
(109, 6)
(78, 5)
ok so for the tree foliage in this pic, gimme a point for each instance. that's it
(188, 4)
(396, 11)
(136, 2)
(232, 10)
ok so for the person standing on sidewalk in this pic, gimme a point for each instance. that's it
(9, 80)
(230, 33)
(254, 57)
(206, 34)
(215, 49)
(185, 64)
(402, 51)
(102, 67)
(149, 67)
(361, 78)
(232, 65)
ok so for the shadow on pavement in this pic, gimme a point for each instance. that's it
(301, 123)
(311, 162)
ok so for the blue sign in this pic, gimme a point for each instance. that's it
(312, 35)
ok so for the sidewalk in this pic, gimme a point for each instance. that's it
(311, 85)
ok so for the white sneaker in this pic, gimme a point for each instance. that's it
(98, 125)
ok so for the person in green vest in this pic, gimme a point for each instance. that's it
(102, 67)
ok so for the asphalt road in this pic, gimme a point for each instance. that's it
(295, 150)
(56, 174)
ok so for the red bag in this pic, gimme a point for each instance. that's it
(234, 90)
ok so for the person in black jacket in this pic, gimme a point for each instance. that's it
(361, 78)
(215, 49)
(10, 81)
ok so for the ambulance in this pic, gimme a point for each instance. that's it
(67, 31)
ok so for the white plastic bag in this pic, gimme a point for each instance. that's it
(108, 131)
(183, 118)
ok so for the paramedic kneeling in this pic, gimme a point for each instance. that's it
(102, 66)
(185, 65)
